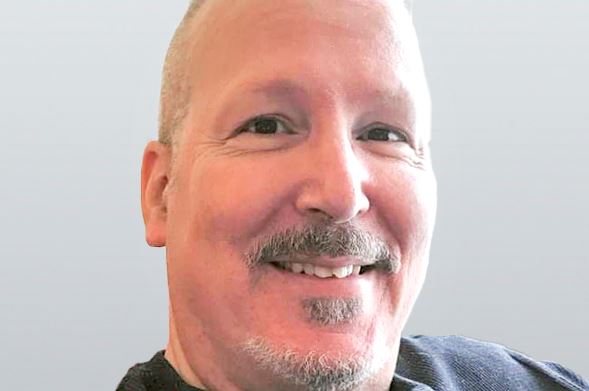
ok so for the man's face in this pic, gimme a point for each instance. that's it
(308, 119)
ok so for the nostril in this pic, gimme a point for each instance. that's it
(320, 214)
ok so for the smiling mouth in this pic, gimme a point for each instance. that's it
(321, 271)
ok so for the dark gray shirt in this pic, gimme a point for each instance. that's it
(450, 363)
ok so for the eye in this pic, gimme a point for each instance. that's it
(264, 125)
(383, 133)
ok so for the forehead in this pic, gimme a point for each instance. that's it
(337, 13)
(315, 23)
(244, 27)
(365, 48)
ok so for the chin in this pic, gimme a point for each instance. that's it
(317, 366)
(320, 358)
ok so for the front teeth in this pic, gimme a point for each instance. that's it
(297, 267)
(320, 271)
(323, 272)
(342, 272)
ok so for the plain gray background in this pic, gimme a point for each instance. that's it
(82, 295)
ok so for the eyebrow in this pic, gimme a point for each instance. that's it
(278, 88)
(286, 88)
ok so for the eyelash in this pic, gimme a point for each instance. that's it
(243, 128)
(403, 138)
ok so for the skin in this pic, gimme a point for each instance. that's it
(331, 72)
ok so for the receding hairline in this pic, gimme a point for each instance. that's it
(175, 88)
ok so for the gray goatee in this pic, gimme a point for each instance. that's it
(327, 311)
(313, 371)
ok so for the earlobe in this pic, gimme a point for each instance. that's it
(155, 178)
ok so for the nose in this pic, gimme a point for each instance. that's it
(334, 182)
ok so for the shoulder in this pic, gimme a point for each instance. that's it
(460, 363)
(145, 376)
(133, 380)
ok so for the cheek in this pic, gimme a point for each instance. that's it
(219, 211)
(407, 211)
(237, 201)
(405, 205)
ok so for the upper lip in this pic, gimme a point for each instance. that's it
(327, 261)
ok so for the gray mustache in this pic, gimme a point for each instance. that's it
(324, 240)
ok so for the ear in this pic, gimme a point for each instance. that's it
(155, 178)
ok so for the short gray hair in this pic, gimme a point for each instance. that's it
(175, 90)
